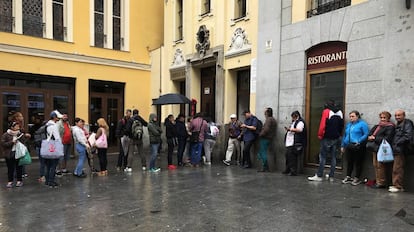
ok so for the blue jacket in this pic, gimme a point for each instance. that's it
(356, 132)
(250, 135)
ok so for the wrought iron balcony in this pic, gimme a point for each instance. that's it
(328, 6)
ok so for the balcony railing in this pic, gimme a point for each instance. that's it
(326, 7)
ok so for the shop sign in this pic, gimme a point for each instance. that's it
(326, 55)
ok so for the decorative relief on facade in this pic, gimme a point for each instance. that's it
(178, 58)
(239, 43)
(203, 40)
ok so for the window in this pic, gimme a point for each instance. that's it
(179, 21)
(58, 20)
(99, 23)
(205, 7)
(240, 9)
(33, 17)
(110, 29)
(318, 7)
(6, 15)
(116, 24)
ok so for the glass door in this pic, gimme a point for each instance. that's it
(322, 87)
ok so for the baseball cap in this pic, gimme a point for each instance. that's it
(233, 116)
(55, 114)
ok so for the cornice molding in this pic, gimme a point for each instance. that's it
(72, 57)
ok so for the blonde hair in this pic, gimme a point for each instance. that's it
(102, 123)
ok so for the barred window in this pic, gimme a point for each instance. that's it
(240, 9)
(33, 17)
(6, 15)
(322, 6)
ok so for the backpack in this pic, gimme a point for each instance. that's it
(259, 126)
(213, 131)
(40, 134)
(137, 129)
(410, 146)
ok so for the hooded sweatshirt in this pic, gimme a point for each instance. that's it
(154, 130)
(332, 123)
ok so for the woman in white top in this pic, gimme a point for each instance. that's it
(81, 144)
(51, 163)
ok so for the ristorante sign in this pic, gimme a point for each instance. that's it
(326, 55)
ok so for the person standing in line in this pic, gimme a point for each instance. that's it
(210, 139)
(295, 143)
(354, 146)
(197, 125)
(81, 145)
(249, 137)
(182, 135)
(52, 132)
(135, 132)
(172, 140)
(266, 136)
(329, 133)
(155, 132)
(102, 134)
(233, 144)
(402, 137)
(120, 133)
(67, 144)
(16, 116)
(385, 129)
(8, 142)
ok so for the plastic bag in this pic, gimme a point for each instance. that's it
(21, 150)
(385, 153)
(25, 160)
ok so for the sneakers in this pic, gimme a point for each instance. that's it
(347, 180)
(52, 184)
(59, 174)
(9, 185)
(144, 168)
(127, 169)
(226, 162)
(356, 182)
(207, 163)
(155, 170)
(65, 172)
(19, 184)
(315, 178)
(172, 167)
(393, 189)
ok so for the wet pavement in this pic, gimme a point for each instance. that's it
(216, 198)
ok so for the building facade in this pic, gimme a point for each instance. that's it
(358, 53)
(88, 59)
(208, 55)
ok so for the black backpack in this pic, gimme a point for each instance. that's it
(410, 146)
(39, 135)
(259, 126)
(137, 129)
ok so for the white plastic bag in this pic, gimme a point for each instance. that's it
(21, 150)
(385, 153)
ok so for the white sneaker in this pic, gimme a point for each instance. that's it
(143, 168)
(394, 189)
(347, 180)
(207, 163)
(128, 169)
(356, 182)
(226, 162)
(315, 178)
(204, 159)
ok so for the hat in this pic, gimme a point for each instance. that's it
(233, 116)
(56, 114)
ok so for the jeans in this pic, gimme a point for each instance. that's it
(328, 146)
(42, 169)
(208, 148)
(125, 146)
(264, 144)
(195, 155)
(180, 151)
(103, 160)
(50, 169)
(246, 153)
(66, 151)
(81, 149)
(154, 153)
(121, 160)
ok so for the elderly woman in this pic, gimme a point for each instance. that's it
(385, 129)
(353, 143)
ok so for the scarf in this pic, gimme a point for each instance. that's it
(381, 125)
(12, 132)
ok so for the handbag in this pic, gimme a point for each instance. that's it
(298, 147)
(354, 147)
(51, 149)
(92, 139)
(26, 159)
(102, 142)
(385, 153)
(372, 146)
(21, 150)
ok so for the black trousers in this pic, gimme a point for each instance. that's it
(246, 153)
(292, 159)
(355, 158)
(13, 165)
(103, 159)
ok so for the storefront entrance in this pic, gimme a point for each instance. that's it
(106, 101)
(208, 92)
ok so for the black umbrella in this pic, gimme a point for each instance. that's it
(172, 98)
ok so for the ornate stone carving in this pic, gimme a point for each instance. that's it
(203, 40)
(239, 40)
(178, 57)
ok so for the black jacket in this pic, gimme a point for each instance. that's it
(386, 133)
(128, 127)
(170, 129)
(181, 129)
(403, 133)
